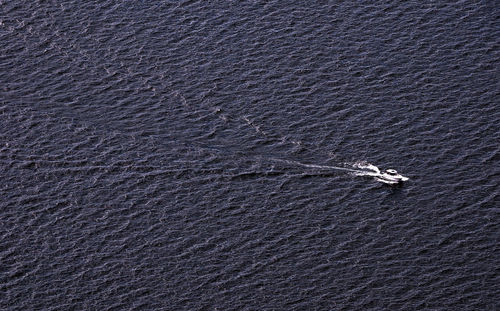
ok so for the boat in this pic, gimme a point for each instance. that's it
(390, 176)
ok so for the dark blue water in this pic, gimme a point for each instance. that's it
(151, 155)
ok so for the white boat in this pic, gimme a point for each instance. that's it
(390, 176)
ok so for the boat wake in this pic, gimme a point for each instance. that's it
(389, 176)
(363, 168)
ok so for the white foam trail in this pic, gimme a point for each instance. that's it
(322, 167)
(366, 169)
(358, 168)
(367, 166)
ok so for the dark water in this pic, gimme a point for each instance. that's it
(150, 155)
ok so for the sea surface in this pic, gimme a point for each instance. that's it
(187, 155)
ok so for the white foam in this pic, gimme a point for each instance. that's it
(322, 167)
(361, 168)
(367, 167)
